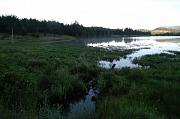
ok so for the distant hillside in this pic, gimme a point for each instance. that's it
(163, 30)
(174, 28)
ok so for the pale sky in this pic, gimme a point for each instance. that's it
(136, 14)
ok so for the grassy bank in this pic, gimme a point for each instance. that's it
(36, 79)
(35, 75)
(146, 93)
(36, 37)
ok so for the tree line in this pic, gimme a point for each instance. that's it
(168, 34)
(33, 26)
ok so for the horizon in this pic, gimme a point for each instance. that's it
(140, 14)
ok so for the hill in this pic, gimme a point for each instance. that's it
(164, 30)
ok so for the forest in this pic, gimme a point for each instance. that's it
(33, 26)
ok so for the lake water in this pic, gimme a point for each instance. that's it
(143, 45)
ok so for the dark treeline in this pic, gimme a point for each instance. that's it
(33, 26)
(169, 34)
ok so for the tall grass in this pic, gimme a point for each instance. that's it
(37, 79)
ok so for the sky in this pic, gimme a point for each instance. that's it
(137, 14)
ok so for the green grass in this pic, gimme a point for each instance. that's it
(36, 79)
(34, 75)
(36, 37)
(146, 93)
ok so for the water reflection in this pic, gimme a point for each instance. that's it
(146, 45)
(83, 107)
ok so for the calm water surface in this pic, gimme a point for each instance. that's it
(144, 45)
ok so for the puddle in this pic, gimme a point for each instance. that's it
(85, 106)
(118, 64)
(145, 45)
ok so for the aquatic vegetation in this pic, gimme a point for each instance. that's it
(37, 80)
